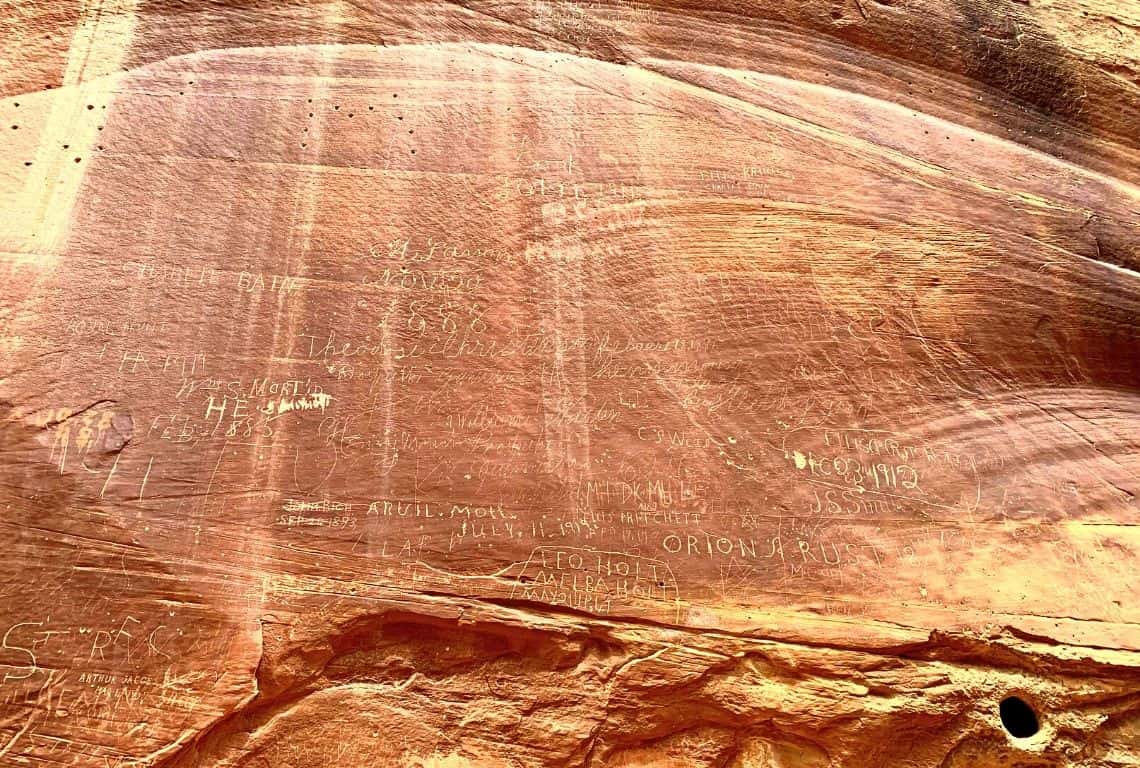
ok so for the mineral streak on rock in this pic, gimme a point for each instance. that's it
(547, 383)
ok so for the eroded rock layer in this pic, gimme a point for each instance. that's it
(551, 384)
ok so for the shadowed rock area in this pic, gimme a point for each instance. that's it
(543, 383)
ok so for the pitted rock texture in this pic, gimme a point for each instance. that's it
(550, 383)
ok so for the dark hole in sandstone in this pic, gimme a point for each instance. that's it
(1018, 718)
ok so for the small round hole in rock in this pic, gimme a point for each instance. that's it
(1018, 718)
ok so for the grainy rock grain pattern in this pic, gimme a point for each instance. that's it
(542, 383)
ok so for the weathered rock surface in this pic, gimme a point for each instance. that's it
(544, 383)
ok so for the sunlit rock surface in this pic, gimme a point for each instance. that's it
(570, 384)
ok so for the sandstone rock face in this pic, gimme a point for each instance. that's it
(546, 383)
